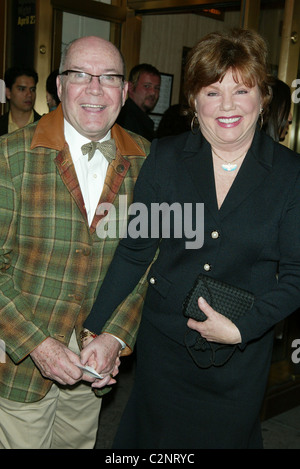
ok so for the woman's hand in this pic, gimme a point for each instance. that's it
(216, 328)
(102, 353)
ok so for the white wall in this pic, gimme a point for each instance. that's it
(75, 26)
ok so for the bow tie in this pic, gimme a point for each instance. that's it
(107, 148)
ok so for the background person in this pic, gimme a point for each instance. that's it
(143, 94)
(250, 189)
(278, 117)
(174, 121)
(20, 85)
(51, 91)
(52, 259)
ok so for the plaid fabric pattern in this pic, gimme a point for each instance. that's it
(51, 262)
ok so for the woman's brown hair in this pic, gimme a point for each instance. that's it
(240, 50)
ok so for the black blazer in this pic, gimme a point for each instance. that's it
(4, 122)
(257, 230)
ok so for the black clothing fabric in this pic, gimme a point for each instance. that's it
(174, 403)
(133, 118)
(4, 122)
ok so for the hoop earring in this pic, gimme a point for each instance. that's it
(195, 118)
(261, 119)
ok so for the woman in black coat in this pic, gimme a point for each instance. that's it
(249, 190)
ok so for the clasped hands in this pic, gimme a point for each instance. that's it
(57, 362)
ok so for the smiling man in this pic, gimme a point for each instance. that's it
(52, 260)
(21, 93)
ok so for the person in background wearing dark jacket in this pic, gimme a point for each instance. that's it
(174, 121)
(143, 94)
(20, 85)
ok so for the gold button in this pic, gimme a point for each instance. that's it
(207, 267)
(84, 251)
(78, 297)
(215, 234)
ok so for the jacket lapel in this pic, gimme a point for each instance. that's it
(117, 170)
(68, 175)
(49, 133)
(255, 168)
(198, 161)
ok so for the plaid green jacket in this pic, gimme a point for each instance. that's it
(51, 262)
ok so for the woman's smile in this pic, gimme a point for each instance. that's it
(228, 122)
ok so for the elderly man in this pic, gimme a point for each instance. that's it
(143, 94)
(53, 260)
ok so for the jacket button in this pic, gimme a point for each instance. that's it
(152, 280)
(207, 267)
(120, 168)
(78, 297)
(84, 251)
(215, 234)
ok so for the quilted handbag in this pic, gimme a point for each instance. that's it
(232, 302)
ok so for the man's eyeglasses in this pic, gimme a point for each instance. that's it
(83, 78)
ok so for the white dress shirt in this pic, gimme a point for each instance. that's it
(91, 174)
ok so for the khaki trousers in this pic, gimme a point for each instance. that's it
(66, 418)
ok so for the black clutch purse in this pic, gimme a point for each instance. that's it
(232, 302)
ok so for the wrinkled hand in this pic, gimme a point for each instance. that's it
(102, 354)
(56, 362)
(216, 328)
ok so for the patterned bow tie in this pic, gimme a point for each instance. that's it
(107, 148)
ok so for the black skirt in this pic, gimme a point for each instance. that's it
(175, 404)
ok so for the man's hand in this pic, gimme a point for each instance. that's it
(102, 353)
(55, 361)
(216, 328)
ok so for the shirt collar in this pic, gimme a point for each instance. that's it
(75, 140)
(13, 126)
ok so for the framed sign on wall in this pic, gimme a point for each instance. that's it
(164, 100)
